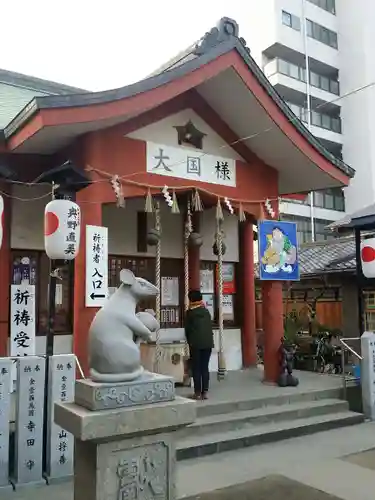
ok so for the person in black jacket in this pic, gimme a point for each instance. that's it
(200, 338)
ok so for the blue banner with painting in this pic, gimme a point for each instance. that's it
(278, 251)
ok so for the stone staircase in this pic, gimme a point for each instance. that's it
(226, 426)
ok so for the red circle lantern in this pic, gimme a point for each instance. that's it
(368, 257)
(62, 224)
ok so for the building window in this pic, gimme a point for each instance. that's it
(304, 228)
(314, 79)
(291, 20)
(328, 5)
(324, 83)
(332, 199)
(294, 71)
(317, 119)
(321, 34)
(334, 87)
(286, 18)
(299, 73)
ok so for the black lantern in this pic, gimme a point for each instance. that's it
(153, 237)
(195, 240)
(215, 248)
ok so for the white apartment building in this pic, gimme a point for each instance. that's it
(297, 43)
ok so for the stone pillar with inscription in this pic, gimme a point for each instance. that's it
(29, 421)
(5, 390)
(60, 444)
(124, 432)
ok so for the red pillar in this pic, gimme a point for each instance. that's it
(5, 274)
(91, 212)
(247, 277)
(194, 257)
(273, 327)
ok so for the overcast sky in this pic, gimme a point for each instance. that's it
(100, 45)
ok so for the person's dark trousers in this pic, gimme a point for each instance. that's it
(200, 359)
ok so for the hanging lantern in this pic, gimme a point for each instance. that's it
(215, 248)
(2, 221)
(195, 240)
(153, 237)
(368, 257)
(62, 224)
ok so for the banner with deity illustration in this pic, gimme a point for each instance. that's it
(278, 251)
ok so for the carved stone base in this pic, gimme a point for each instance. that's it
(125, 453)
(139, 468)
(149, 388)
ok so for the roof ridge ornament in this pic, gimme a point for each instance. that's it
(225, 30)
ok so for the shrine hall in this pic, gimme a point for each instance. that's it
(196, 153)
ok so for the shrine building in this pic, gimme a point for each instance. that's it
(205, 139)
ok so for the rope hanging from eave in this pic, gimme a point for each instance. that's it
(158, 284)
(188, 230)
(219, 242)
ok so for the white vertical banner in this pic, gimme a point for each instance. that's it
(22, 322)
(96, 266)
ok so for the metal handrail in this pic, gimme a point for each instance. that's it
(350, 348)
(353, 351)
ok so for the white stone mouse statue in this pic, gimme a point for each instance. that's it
(114, 357)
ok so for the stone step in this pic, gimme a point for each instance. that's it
(252, 435)
(234, 421)
(214, 407)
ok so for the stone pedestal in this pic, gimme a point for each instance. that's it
(124, 449)
(368, 374)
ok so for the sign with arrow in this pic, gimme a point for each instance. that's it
(96, 265)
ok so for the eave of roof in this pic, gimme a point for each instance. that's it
(363, 219)
(38, 84)
(214, 44)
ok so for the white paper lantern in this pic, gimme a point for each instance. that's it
(2, 221)
(62, 224)
(368, 257)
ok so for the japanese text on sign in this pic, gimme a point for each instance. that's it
(96, 265)
(22, 330)
(190, 164)
(73, 223)
(29, 419)
(60, 444)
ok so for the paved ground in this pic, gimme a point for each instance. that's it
(363, 459)
(318, 461)
(248, 385)
(267, 488)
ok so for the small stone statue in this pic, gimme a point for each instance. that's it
(114, 357)
(286, 356)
